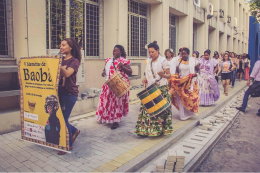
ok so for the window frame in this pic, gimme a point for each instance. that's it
(68, 26)
(129, 14)
(176, 30)
(9, 30)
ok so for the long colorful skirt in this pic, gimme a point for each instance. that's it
(208, 89)
(184, 95)
(155, 126)
(111, 109)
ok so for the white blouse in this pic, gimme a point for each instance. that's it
(160, 64)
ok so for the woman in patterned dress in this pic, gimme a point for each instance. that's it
(208, 86)
(111, 109)
(183, 86)
(155, 126)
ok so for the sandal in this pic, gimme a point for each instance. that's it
(63, 152)
(75, 135)
(226, 94)
(114, 126)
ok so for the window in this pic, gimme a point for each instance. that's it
(6, 29)
(173, 33)
(78, 19)
(137, 28)
(194, 37)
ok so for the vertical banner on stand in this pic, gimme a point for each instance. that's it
(41, 116)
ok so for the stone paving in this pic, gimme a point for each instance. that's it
(97, 148)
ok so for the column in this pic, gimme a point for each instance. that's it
(115, 24)
(160, 24)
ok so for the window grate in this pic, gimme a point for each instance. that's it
(6, 29)
(194, 37)
(173, 33)
(137, 28)
(78, 19)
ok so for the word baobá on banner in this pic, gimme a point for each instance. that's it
(41, 116)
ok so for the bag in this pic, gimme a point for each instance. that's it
(255, 90)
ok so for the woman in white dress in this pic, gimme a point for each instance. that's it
(183, 86)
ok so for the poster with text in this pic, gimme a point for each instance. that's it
(41, 116)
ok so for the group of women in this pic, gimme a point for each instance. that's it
(186, 82)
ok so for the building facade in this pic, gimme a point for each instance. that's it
(36, 27)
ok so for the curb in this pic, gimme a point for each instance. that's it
(142, 159)
(204, 152)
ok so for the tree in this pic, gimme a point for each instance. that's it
(255, 9)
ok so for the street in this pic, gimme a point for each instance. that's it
(238, 150)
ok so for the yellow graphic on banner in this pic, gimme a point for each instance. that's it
(41, 116)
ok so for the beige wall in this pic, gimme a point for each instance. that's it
(116, 28)
(36, 26)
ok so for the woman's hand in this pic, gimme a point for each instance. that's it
(160, 73)
(120, 65)
(177, 70)
(144, 81)
(103, 74)
(66, 72)
(248, 83)
(197, 67)
(126, 68)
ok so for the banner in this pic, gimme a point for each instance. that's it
(41, 116)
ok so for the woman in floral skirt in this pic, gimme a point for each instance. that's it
(159, 66)
(111, 109)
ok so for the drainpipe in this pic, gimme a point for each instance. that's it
(163, 27)
(117, 29)
(26, 19)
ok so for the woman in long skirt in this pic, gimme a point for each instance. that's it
(183, 86)
(208, 86)
(247, 66)
(111, 109)
(157, 71)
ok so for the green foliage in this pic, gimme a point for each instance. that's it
(255, 8)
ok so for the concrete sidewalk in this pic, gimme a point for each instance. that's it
(98, 148)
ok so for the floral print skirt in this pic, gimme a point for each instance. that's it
(155, 126)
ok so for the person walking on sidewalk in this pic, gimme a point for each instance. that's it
(157, 71)
(218, 59)
(255, 75)
(225, 69)
(235, 61)
(241, 66)
(208, 86)
(247, 66)
(110, 108)
(183, 86)
(68, 90)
